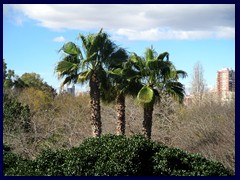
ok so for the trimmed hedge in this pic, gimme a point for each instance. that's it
(113, 155)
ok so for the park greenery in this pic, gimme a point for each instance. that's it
(112, 155)
(46, 133)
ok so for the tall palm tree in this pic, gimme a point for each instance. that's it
(89, 64)
(121, 84)
(157, 75)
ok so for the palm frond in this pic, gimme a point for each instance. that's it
(137, 62)
(85, 43)
(89, 59)
(176, 90)
(162, 56)
(68, 80)
(145, 95)
(70, 48)
(181, 74)
(117, 72)
(84, 76)
(117, 58)
(150, 54)
(65, 67)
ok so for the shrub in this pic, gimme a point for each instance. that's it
(113, 155)
(175, 162)
(6, 148)
(15, 114)
(50, 163)
(14, 164)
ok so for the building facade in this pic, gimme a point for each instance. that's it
(71, 90)
(225, 85)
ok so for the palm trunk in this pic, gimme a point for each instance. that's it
(147, 122)
(95, 106)
(120, 106)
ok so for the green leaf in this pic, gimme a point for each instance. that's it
(83, 76)
(117, 72)
(89, 59)
(145, 95)
(64, 66)
(134, 58)
(149, 54)
(70, 48)
(153, 64)
(129, 73)
(163, 55)
(181, 74)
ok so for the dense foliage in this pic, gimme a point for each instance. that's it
(37, 119)
(14, 164)
(16, 115)
(112, 155)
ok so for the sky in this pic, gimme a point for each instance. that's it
(205, 33)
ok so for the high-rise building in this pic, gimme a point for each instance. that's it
(225, 82)
(71, 90)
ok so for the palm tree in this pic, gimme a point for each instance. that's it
(120, 85)
(157, 75)
(89, 64)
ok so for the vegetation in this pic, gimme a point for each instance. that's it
(120, 83)
(13, 82)
(207, 129)
(198, 83)
(33, 80)
(112, 155)
(157, 76)
(8, 76)
(16, 115)
(79, 66)
(47, 132)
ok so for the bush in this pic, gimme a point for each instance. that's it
(14, 164)
(50, 163)
(15, 114)
(113, 155)
(175, 162)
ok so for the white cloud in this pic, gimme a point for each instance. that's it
(17, 17)
(59, 39)
(156, 34)
(136, 21)
(225, 32)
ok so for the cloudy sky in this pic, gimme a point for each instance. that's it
(32, 34)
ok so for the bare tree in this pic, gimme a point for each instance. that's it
(198, 84)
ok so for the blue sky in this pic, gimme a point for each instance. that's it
(32, 34)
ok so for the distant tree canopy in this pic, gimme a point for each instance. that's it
(27, 80)
(8, 76)
(36, 99)
(198, 83)
(28, 89)
(35, 81)
(32, 80)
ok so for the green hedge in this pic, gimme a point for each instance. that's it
(175, 162)
(113, 155)
(15, 165)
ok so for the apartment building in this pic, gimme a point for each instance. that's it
(225, 85)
